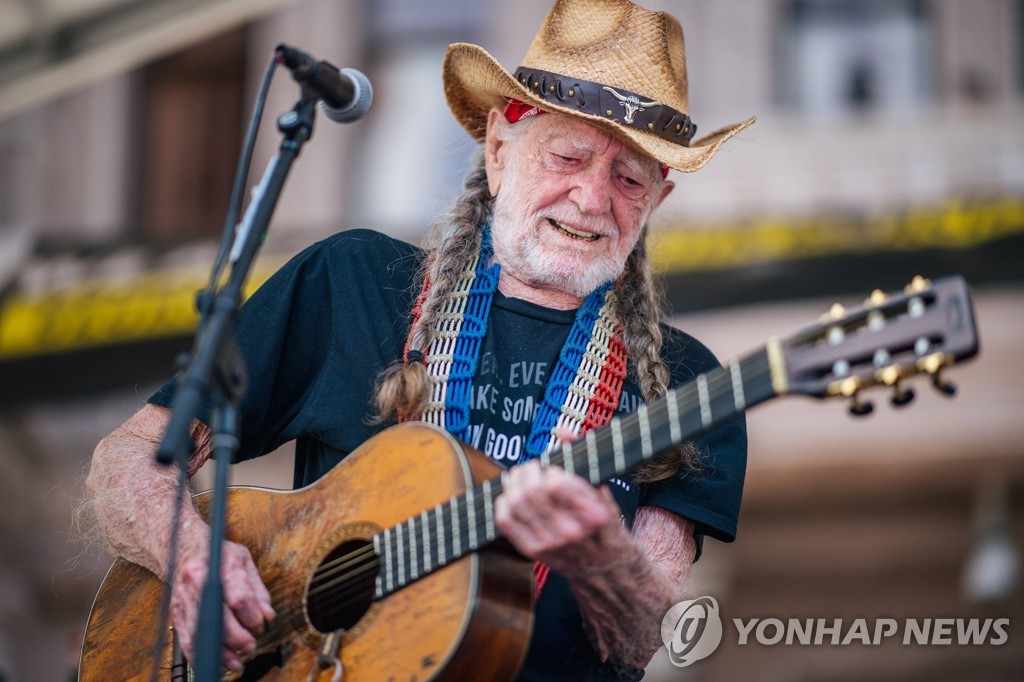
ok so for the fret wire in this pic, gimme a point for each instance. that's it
(456, 533)
(488, 511)
(439, 516)
(390, 582)
(378, 581)
(631, 438)
(756, 378)
(777, 365)
(699, 402)
(702, 397)
(618, 449)
(471, 519)
(675, 432)
(401, 555)
(657, 420)
(595, 470)
(645, 433)
(567, 458)
(425, 524)
(737, 385)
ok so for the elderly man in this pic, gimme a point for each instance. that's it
(531, 321)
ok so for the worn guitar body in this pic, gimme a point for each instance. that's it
(470, 619)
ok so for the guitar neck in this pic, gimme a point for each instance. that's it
(465, 523)
(684, 413)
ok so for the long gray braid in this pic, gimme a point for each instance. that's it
(640, 307)
(403, 389)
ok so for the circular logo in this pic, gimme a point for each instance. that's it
(691, 630)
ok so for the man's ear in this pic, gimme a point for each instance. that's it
(495, 150)
(666, 189)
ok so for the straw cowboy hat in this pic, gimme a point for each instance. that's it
(608, 62)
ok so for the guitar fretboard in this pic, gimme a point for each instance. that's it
(465, 523)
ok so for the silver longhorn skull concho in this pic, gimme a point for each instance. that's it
(633, 104)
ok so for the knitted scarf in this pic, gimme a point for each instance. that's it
(583, 388)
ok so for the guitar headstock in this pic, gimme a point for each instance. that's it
(892, 337)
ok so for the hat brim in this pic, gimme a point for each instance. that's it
(474, 82)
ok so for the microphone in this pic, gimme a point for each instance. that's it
(345, 94)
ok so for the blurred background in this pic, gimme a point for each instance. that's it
(890, 143)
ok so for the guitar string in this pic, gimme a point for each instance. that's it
(717, 381)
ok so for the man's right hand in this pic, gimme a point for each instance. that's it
(247, 602)
(133, 497)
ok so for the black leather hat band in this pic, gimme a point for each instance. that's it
(620, 106)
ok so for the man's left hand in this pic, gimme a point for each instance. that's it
(558, 518)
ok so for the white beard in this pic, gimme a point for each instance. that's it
(522, 254)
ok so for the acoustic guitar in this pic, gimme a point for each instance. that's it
(391, 568)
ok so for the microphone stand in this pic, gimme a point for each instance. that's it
(216, 371)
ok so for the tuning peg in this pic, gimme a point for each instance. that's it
(942, 385)
(835, 313)
(933, 364)
(860, 408)
(918, 285)
(850, 388)
(877, 299)
(892, 376)
(901, 395)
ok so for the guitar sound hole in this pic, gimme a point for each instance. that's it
(342, 588)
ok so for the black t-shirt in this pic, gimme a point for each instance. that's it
(316, 336)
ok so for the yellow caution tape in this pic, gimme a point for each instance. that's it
(956, 225)
(107, 312)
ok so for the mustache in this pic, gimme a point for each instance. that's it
(573, 218)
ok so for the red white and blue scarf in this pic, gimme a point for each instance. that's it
(583, 388)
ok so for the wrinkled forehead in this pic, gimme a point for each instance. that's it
(570, 131)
